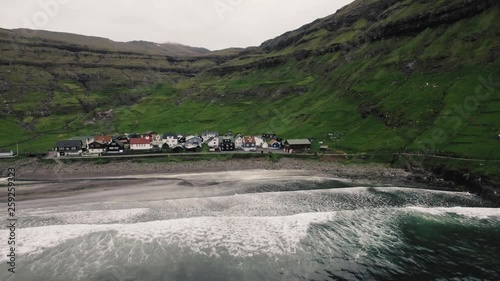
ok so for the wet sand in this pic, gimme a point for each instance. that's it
(41, 185)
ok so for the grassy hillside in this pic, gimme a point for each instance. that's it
(414, 75)
(98, 43)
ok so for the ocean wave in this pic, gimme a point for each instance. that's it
(478, 213)
(362, 236)
(240, 236)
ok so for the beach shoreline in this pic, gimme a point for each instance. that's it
(31, 169)
(54, 180)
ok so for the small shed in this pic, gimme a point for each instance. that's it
(297, 145)
(6, 153)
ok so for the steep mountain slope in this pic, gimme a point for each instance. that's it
(379, 75)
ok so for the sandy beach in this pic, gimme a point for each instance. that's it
(33, 169)
(41, 184)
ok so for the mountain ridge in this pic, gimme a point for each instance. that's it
(377, 76)
(95, 42)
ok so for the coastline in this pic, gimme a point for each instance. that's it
(55, 180)
(31, 169)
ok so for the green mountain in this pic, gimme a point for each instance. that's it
(378, 75)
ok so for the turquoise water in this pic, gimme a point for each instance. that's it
(319, 229)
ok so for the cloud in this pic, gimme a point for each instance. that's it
(192, 22)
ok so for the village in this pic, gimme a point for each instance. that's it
(152, 142)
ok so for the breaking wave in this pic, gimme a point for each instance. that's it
(354, 233)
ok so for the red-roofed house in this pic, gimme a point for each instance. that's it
(103, 139)
(140, 144)
(249, 144)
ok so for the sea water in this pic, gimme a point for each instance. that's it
(273, 228)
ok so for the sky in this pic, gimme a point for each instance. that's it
(213, 24)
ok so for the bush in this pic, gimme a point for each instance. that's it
(273, 157)
(102, 161)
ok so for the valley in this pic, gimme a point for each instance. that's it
(395, 76)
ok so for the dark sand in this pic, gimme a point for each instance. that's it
(40, 184)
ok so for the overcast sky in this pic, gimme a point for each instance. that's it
(213, 24)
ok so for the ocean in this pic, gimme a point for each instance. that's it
(259, 226)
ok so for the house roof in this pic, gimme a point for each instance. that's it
(193, 138)
(210, 133)
(82, 138)
(273, 141)
(98, 144)
(103, 139)
(212, 139)
(169, 135)
(69, 143)
(118, 142)
(139, 141)
(299, 142)
(249, 139)
(227, 137)
(150, 133)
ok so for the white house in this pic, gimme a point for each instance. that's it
(192, 142)
(213, 142)
(238, 141)
(140, 144)
(259, 142)
(172, 140)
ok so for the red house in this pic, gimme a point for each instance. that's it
(140, 144)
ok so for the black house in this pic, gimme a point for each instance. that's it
(227, 143)
(69, 148)
(115, 146)
(97, 147)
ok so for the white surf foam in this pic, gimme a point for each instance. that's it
(240, 236)
(95, 217)
(478, 213)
